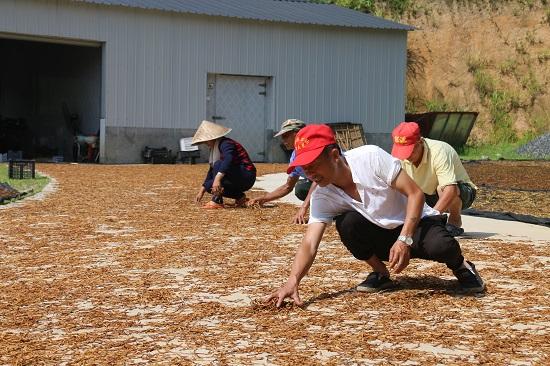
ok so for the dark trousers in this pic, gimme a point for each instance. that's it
(430, 240)
(302, 188)
(467, 196)
(235, 182)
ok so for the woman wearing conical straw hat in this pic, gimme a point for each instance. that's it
(231, 171)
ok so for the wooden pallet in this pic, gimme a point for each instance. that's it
(349, 135)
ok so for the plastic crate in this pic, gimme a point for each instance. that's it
(153, 155)
(21, 169)
(188, 156)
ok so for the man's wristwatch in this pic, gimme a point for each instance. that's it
(405, 239)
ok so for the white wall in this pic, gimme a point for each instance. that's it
(157, 63)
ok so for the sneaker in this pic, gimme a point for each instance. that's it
(469, 278)
(454, 230)
(375, 282)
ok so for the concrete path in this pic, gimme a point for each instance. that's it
(475, 227)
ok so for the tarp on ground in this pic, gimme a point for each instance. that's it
(509, 216)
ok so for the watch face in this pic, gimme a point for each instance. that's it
(405, 239)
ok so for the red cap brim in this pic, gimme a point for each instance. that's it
(305, 158)
(402, 152)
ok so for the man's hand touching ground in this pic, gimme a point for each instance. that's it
(288, 290)
(301, 216)
(256, 202)
(199, 196)
(400, 254)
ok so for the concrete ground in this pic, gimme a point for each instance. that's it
(474, 227)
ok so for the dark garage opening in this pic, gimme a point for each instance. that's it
(50, 100)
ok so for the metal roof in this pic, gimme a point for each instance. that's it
(288, 11)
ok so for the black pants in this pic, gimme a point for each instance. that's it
(431, 240)
(235, 182)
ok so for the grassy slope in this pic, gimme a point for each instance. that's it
(23, 185)
(491, 57)
(505, 151)
(484, 55)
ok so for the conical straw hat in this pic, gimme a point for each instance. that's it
(209, 131)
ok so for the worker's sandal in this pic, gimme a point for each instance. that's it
(242, 202)
(213, 205)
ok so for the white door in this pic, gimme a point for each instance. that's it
(240, 103)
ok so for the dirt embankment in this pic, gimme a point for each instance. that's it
(494, 59)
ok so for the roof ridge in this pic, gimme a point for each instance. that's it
(305, 12)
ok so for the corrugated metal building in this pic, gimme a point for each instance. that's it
(146, 72)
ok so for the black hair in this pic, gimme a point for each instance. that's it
(327, 149)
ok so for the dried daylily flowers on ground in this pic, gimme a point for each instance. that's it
(119, 266)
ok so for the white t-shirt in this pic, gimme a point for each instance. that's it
(373, 170)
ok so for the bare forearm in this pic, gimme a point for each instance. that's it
(302, 263)
(280, 191)
(306, 252)
(415, 203)
(277, 193)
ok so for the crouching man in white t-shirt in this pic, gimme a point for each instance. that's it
(379, 211)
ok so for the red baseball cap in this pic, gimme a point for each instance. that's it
(404, 136)
(309, 144)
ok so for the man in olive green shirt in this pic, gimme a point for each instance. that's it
(436, 168)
